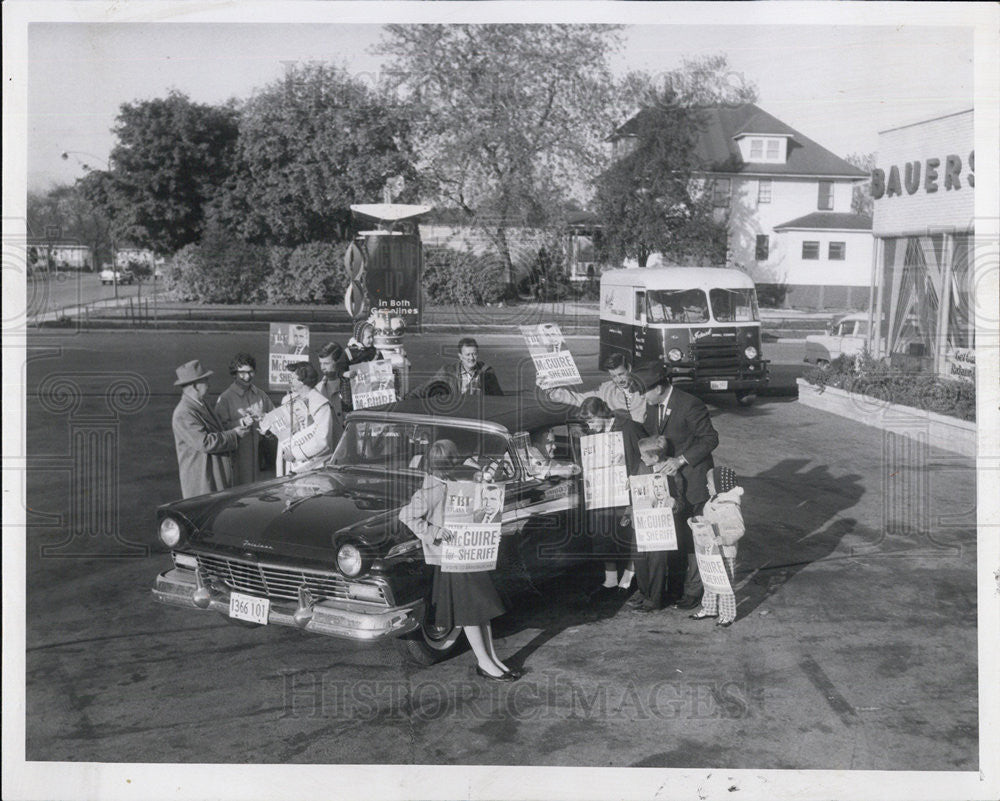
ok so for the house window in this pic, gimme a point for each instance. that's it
(773, 149)
(825, 196)
(764, 190)
(720, 192)
(756, 149)
(838, 251)
(810, 250)
(763, 247)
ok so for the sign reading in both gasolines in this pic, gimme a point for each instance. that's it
(706, 551)
(652, 515)
(372, 384)
(472, 512)
(287, 343)
(605, 480)
(555, 366)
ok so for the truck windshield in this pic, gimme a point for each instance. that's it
(676, 306)
(734, 305)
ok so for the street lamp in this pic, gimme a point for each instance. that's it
(111, 237)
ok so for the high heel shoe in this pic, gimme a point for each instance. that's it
(503, 677)
(702, 616)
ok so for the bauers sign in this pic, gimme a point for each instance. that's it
(931, 173)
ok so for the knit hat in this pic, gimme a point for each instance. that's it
(725, 479)
(359, 329)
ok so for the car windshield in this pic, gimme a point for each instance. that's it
(676, 306)
(734, 305)
(390, 445)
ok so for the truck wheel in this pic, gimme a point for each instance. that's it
(745, 397)
(429, 645)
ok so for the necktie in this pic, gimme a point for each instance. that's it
(663, 414)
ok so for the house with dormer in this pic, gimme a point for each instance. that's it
(788, 201)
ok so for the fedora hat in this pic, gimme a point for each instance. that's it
(189, 372)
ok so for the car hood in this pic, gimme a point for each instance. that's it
(300, 517)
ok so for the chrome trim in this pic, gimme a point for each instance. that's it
(352, 620)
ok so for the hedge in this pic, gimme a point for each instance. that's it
(875, 378)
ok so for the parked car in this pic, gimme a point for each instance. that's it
(846, 337)
(324, 551)
(108, 276)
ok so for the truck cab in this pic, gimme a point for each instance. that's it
(701, 323)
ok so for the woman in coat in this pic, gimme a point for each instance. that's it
(234, 404)
(466, 600)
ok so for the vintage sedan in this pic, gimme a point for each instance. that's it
(324, 551)
(847, 337)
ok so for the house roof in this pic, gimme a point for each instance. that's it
(830, 220)
(718, 151)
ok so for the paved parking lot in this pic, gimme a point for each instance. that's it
(855, 649)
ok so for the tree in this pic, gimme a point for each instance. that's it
(68, 208)
(510, 118)
(170, 158)
(653, 198)
(309, 146)
(861, 198)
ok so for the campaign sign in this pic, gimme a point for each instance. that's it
(472, 513)
(652, 517)
(372, 384)
(605, 480)
(555, 367)
(288, 343)
(710, 564)
(543, 338)
(282, 420)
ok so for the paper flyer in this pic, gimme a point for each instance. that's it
(287, 343)
(652, 516)
(710, 564)
(605, 480)
(555, 366)
(472, 512)
(372, 384)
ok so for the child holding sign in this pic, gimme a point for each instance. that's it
(657, 493)
(724, 514)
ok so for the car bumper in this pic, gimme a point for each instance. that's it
(332, 618)
(688, 378)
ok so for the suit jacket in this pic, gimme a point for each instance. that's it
(689, 433)
(204, 448)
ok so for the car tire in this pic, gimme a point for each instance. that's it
(429, 645)
(746, 397)
(823, 364)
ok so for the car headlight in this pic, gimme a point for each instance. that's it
(170, 532)
(751, 352)
(674, 355)
(349, 559)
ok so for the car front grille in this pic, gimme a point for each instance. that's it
(269, 581)
(721, 359)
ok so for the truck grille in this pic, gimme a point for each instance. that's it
(269, 581)
(717, 359)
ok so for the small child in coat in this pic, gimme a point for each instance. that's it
(723, 511)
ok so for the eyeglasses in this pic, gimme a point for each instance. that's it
(245, 372)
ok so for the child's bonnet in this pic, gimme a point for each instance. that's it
(723, 509)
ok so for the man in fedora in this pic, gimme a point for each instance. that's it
(204, 447)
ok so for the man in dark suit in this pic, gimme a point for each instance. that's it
(684, 422)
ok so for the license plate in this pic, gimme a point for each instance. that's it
(249, 607)
(718, 385)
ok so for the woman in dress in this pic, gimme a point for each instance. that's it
(611, 538)
(466, 600)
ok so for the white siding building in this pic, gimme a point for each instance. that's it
(789, 206)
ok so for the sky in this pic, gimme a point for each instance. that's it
(838, 85)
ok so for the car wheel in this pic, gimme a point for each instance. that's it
(823, 364)
(429, 644)
(745, 397)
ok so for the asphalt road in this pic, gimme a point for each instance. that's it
(855, 648)
(55, 291)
